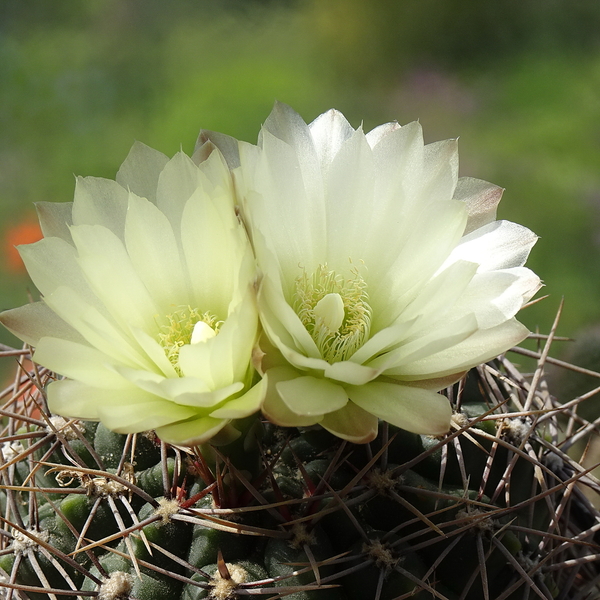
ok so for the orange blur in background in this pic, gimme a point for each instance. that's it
(26, 231)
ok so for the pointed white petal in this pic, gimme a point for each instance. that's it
(227, 145)
(498, 245)
(100, 202)
(475, 350)
(154, 254)
(177, 182)
(481, 199)
(141, 169)
(495, 296)
(350, 184)
(429, 342)
(113, 278)
(329, 131)
(375, 136)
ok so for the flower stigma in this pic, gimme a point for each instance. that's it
(334, 310)
(186, 325)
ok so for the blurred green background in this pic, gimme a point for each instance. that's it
(517, 80)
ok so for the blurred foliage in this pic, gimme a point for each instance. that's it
(518, 80)
(378, 38)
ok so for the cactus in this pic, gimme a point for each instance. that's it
(492, 510)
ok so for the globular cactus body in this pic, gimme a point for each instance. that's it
(493, 510)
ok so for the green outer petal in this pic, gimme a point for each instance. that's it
(31, 322)
(309, 396)
(245, 405)
(55, 219)
(352, 423)
(52, 262)
(348, 371)
(192, 432)
(411, 408)
(275, 408)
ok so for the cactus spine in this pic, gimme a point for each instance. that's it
(494, 510)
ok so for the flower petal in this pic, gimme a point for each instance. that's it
(140, 171)
(192, 432)
(100, 202)
(350, 372)
(498, 245)
(77, 361)
(245, 405)
(329, 131)
(475, 350)
(55, 219)
(310, 396)
(98, 331)
(178, 180)
(154, 254)
(113, 278)
(481, 198)
(275, 408)
(411, 408)
(52, 262)
(36, 320)
(352, 423)
(227, 145)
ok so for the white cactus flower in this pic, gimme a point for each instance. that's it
(148, 306)
(385, 277)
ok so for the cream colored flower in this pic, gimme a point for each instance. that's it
(148, 304)
(385, 277)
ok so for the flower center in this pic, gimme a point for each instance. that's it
(186, 325)
(334, 310)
